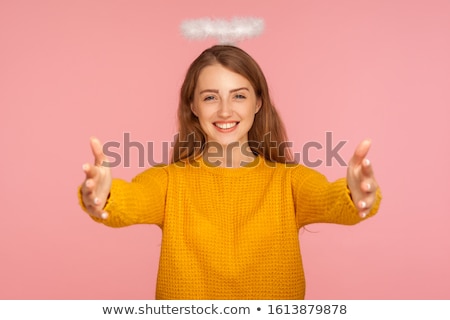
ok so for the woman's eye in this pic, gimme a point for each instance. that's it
(208, 98)
(239, 96)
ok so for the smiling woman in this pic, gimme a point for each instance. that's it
(225, 113)
(230, 228)
(223, 71)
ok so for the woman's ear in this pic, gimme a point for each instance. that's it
(258, 105)
(193, 110)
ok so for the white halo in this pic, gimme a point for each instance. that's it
(226, 32)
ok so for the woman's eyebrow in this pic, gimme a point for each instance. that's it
(209, 90)
(217, 91)
(239, 89)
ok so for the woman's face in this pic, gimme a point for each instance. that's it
(225, 104)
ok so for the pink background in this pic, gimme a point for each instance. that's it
(72, 69)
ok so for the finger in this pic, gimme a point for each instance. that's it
(90, 171)
(97, 213)
(93, 204)
(365, 205)
(360, 152)
(366, 168)
(90, 197)
(363, 209)
(97, 151)
(88, 192)
(363, 214)
(368, 185)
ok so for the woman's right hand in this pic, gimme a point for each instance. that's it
(97, 185)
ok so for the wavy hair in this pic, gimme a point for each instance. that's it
(267, 136)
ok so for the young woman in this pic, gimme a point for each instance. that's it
(231, 202)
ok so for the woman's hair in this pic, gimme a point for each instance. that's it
(267, 137)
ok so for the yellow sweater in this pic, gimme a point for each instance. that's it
(230, 233)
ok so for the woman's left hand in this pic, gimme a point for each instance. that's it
(361, 179)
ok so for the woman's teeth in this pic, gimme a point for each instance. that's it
(227, 125)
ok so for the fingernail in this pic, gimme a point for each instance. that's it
(363, 215)
(367, 162)
(368, 187)
(362, 204)
(104, 215)
(96, 200)
(88, 183)
(85, 167)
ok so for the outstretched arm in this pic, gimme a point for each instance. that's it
(118, 203)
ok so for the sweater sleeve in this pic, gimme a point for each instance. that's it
(141, 201)
(319, 201)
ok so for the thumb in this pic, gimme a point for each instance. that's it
(361, 152)
(97, 151)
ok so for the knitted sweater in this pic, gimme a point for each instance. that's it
(230, 233)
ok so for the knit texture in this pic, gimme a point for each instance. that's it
(230, 233)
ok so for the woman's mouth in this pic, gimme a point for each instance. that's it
(227, 126)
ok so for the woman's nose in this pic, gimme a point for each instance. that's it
(225, 109)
